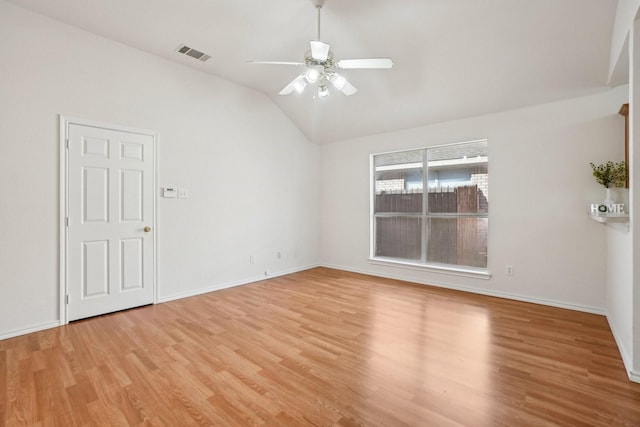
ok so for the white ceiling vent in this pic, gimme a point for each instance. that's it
(186, 50)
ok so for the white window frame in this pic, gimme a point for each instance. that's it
(422, 265)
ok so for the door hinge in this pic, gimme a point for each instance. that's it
(67, 144)
(66, 221)
(66, 299)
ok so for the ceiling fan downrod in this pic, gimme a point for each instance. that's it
(318, 4)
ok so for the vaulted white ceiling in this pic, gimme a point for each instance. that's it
(453, 58)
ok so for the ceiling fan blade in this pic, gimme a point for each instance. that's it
(298, 84)
(348, 89)
(340, 83)
(319, 51)
(276, 63)
(365, 63)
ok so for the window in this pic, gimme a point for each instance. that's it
(448, 228)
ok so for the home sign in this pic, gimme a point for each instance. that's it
(601, 209)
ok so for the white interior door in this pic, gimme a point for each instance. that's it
(111, 218)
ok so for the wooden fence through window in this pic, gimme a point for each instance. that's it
(458, 241)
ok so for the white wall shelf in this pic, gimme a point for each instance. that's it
(610, 218)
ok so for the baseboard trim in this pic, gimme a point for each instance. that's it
(633, 376)
(57, 323)
(505, 295)
(29, 330)
(227, 285)
(626, 358)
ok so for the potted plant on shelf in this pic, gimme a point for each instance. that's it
(610, 174)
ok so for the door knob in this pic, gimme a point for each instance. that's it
(147, 229)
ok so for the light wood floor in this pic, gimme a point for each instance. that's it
(322, 348)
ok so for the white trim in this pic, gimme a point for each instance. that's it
(491, 293)
(413, 165)
(29, 330)
(62, 250)
(372, 204)
(227, 285)
(156, 143)
(424, 214)
(435, 163)
(634, 376)
(626, 357)
(479, 273)
(108, 126)
(51, 325)
(422, 147)
(464, 161)
(64, 208)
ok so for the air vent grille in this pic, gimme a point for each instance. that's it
(186, 50)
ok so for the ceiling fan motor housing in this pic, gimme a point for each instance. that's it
(310, 61)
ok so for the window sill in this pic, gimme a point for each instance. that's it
(476, 273)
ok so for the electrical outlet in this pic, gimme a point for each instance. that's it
(279, 255)
(252, 259)
(509, 270)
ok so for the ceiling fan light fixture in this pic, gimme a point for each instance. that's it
(323, 92)
(312, 75)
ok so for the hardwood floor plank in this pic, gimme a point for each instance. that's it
(322, 348)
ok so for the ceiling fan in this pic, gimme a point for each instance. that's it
(320, 67)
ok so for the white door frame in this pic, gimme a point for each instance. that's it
(64, 203)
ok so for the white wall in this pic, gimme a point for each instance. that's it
(619, 301)
(629, 317)
(540, 188)
(623, 271)
(254, 179)
(252, 176)
(626, 11)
